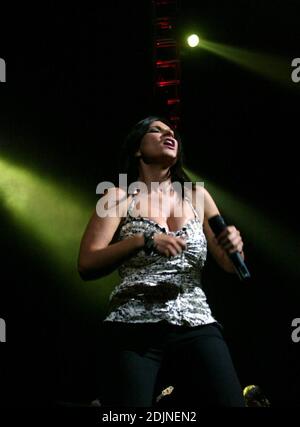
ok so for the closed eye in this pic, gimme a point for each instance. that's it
(153, 130)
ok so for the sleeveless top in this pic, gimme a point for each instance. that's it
(156, 288)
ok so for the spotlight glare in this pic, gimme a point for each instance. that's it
(193, 40)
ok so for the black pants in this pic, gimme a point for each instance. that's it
(140, 360)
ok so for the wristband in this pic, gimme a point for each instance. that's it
(149, 245)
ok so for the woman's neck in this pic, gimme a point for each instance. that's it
(161, 177)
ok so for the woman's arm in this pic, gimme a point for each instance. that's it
(97, 255)
(227, 242)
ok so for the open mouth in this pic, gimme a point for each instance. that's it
(170, 143)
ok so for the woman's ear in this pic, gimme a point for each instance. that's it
(138, 154)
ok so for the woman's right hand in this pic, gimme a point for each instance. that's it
(168, 245)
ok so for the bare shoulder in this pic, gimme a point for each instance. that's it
(105, 219)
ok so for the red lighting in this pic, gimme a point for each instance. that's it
(168, 83)
(173, 101)
(166, 60)
(167, 64)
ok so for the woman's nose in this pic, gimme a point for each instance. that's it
(169, 132)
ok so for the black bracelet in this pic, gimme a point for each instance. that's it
(149, 245)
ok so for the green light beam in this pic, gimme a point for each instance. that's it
(55, 219)
(270, 66)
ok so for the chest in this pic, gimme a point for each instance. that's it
(168, 210)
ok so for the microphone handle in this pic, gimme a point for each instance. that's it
(217, 225)
(239, 265)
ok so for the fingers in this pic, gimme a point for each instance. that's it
(181, 242)
(230, 240)
(170, 251)
(169, 245)
(175, 246)
(236, 246)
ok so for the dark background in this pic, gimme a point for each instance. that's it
(78, 77)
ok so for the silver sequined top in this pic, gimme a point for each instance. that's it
(155, 288)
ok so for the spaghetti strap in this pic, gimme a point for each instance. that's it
(191, 205)
(131, 204)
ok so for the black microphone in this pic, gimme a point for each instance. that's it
(217, 224)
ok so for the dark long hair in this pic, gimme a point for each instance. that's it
(129, 163)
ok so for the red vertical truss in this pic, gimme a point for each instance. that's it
(166, 59)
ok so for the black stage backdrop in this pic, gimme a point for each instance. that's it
(77, 78)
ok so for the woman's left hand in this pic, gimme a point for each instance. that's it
(230, 240)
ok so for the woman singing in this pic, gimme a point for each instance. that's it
(158, 315)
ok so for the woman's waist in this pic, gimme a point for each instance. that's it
(160, 291)
(159, 272)
(164, 288)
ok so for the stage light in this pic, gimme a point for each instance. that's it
(254, 397)
(193, 40)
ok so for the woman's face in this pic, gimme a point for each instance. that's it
(159, 144)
